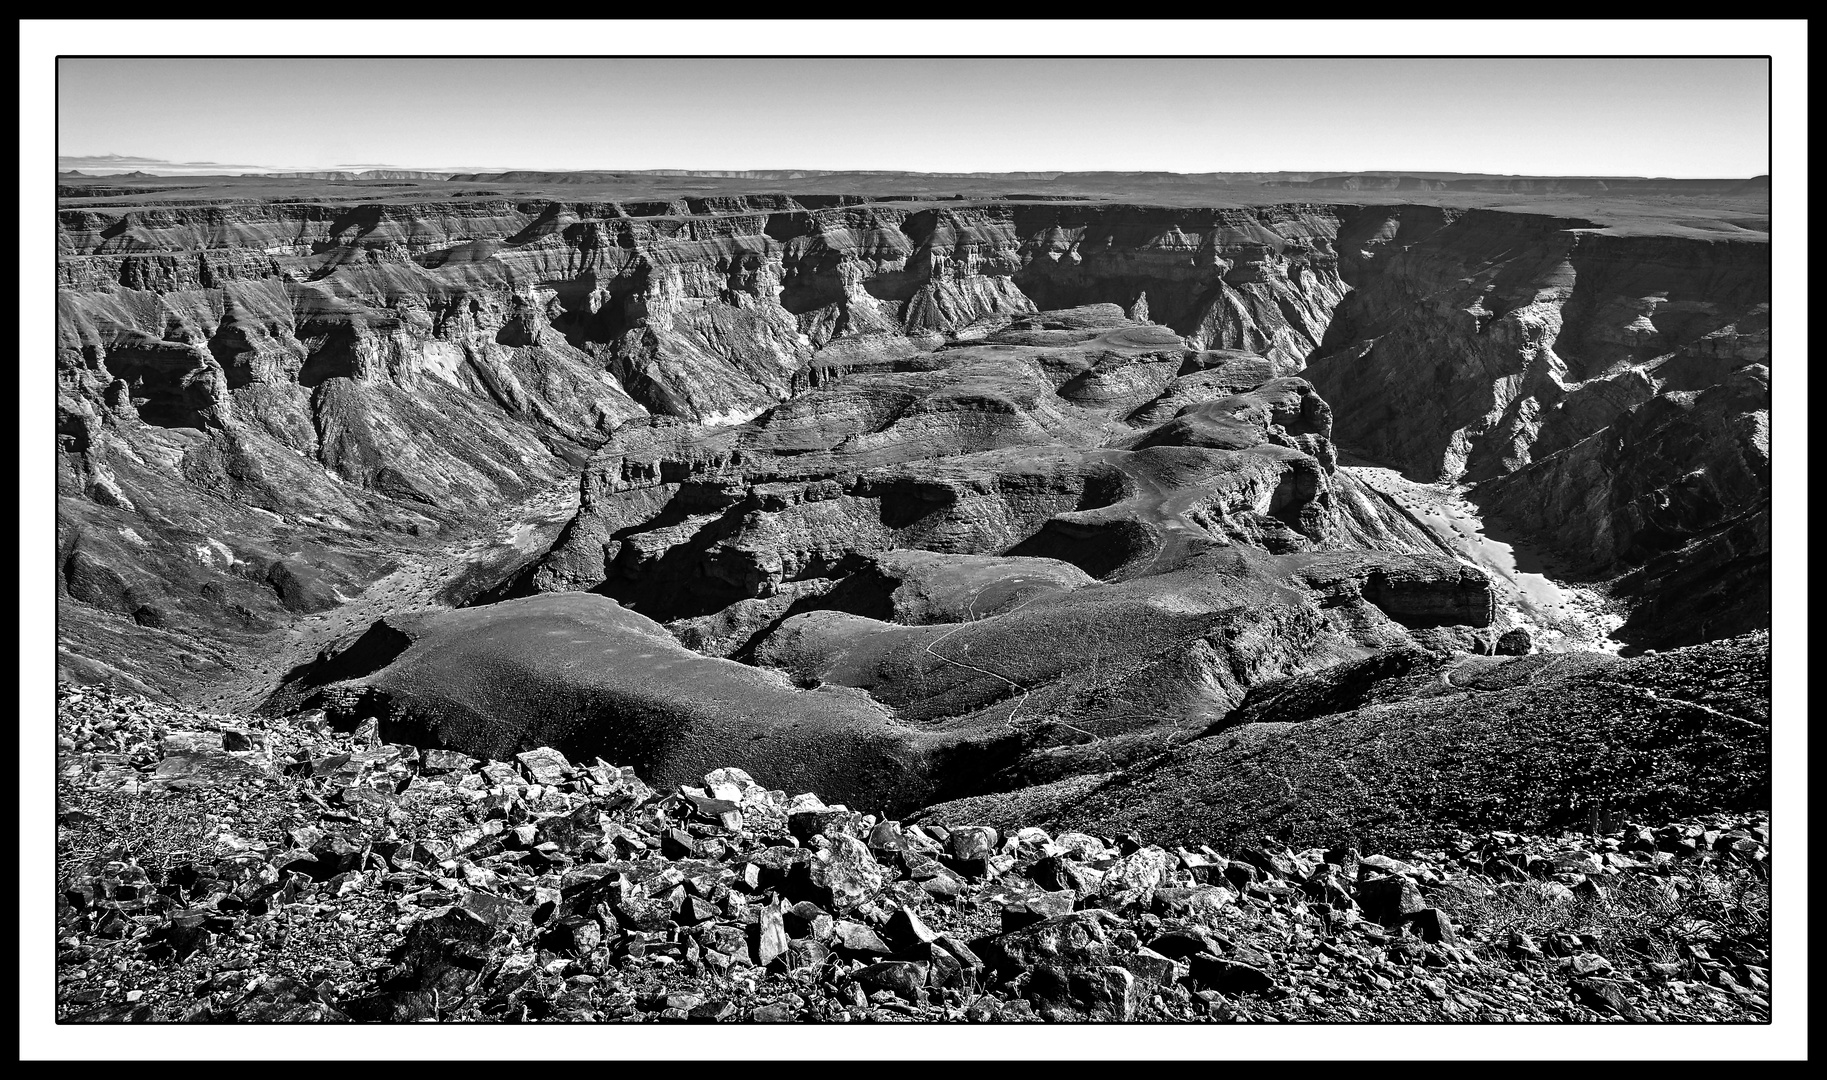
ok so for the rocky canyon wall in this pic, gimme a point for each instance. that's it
(262, 404)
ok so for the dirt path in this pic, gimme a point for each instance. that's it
(415, 583)
(1561, 617)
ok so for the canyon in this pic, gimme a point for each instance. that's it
(895, 496)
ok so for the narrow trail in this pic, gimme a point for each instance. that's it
(1739, 720)
(415, 583)
(970, 611)
(1551, 664)
(1023, 693)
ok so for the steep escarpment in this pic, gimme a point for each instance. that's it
(235, 452)
(676, 284)
(1678, 490)
(1609, 394)
(1473, 343)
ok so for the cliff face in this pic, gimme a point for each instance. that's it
(262, 404)
(1473, 343)
(1678, 489)
(1610, 394)
(665, 291)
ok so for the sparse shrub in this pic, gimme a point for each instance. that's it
(155, 831)
(1641, 914)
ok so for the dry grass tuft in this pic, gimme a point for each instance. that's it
(1640, 914)
(153, 831)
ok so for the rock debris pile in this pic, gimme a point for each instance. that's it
(220, 869)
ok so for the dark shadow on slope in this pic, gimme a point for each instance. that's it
(377, 647)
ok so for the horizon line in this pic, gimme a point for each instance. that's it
(151, 167)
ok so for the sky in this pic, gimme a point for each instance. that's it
(1682, 117)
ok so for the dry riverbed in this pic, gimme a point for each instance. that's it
(1560, 616)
